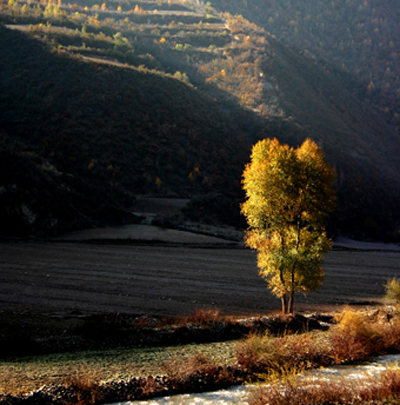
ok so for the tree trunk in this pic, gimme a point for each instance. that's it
(292, 289)
(291, 302)
(283, 297)
(284, 304)
(291, 297)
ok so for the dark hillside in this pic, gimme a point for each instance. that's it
(358, 143)
(320, 105)
(102, 105)
(134, 131)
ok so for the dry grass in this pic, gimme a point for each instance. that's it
(197, 317)
(205, 316)
(291, 351)
(356, 338)
(306, 350)
(180, 369)
(392, 288)
(85, 385)
(196, 373)
(30, 373)
(296, 389)
(258, 351)
(353, 338)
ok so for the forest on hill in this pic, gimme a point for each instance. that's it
(104, 101)
(359, 40)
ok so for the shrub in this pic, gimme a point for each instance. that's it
(85, 387)
(354, 338)
(392, 289)
(306, 350)
(390, 336)
(388, 386)
(289, 352)
(196, 372)
(180, 369)
(204, 316)
(199, 317)
(258, 351)
(297, 389)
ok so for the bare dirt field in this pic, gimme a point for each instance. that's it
(172, 280)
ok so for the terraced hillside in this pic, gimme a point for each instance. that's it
(106, 101)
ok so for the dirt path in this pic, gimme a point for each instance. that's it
(153, 234)
(171, 280)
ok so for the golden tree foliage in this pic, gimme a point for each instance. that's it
(289, 197)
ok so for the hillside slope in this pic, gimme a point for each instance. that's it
(358, 40)
(114, 128)
(127, 103)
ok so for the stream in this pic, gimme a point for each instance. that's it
(238, 394)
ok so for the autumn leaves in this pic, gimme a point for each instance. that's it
(289, 197)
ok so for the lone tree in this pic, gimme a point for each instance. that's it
(289, 197)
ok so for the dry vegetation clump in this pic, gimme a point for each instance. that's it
(392, 288)
(353, 338)
(180, 369)
(289, 352)
(258, 352)
(197, 373)
(205, 316)
(85, 388)
(304, 350)
(10, 384)
(197, 317)
(294, 389)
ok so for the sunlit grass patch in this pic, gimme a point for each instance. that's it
(29, 373)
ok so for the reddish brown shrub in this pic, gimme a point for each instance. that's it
(85, 388)
(204, 316)
(308, 350)
(258, 351)
(354, 338)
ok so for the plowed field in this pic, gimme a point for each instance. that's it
(171, 280)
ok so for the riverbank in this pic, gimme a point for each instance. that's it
(256, 354)
(154, 344)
